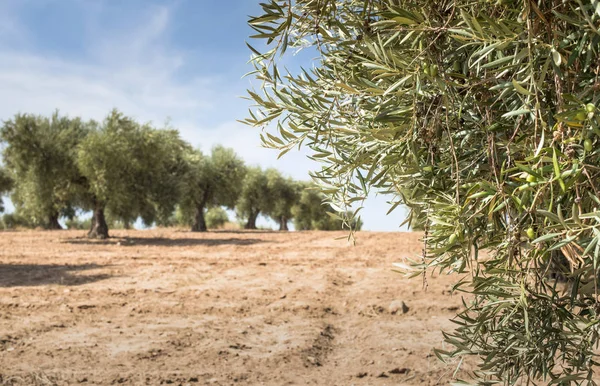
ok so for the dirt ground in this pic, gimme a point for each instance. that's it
(223, 308)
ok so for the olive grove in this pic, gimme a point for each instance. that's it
(121, 170)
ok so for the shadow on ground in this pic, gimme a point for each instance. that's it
(247, 231)
(30, 275)
(164, 242)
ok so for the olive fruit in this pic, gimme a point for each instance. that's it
(434, 70)
(452, 239)
(590, 107)
(531, 178)
(581, 116)
(456, 66)
(530, 233)
(587, 144)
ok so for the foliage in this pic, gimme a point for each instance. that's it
(210, 181)
(283, 193)
(254, 197)
(175, 219)
(480, 117)
(216, 217)
(82, 223)
(312, 212)
(131, 170)
(40, 157)
(78, 223)
(6, 185)
(122, 170)
(231, 171)
(16, 220)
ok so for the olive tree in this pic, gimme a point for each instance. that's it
(481, 117)
(39, 155)
(255, 197)
(312, 211)
(130, 170)
(209, 181)
(283, 193)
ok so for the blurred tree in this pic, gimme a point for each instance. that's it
(131, 170)
(177, 218)
(312, 212)
(15, 220)
(209, 182)
(254, 197)
(216, 217)
(40, 158)
(198, 191)
(6, 185)
(283, 193)
(78, 223)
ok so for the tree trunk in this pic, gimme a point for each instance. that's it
(92, 223)
(126, 224)
(283, 223)
(53, 222)
(251, 224)
(99, 229)
(199, 224)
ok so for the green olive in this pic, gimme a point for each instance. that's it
(456, 66)
(434, 70)
(581, 116)
(452, 239)
(531, 178)
(587, 145)
(530, 233)
(590, 107)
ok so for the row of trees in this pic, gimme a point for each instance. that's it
(55, 166)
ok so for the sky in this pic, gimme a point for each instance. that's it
(175, 61)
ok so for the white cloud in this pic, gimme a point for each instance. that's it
(138, 72)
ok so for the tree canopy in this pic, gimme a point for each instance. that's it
(130, 169)
(312, 211)
(121, 170)
(40, 156)
(480, 117)
(210, 181)
(283, 194)
(216, 217)
(254, 197)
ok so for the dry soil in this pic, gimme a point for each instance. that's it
(223, 308)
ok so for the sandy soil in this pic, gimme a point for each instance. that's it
(222, 308)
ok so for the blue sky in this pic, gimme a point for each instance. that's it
(180, 61)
